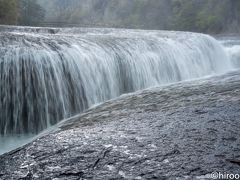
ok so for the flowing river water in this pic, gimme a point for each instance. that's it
(49, 74)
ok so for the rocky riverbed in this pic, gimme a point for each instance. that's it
(186, 130)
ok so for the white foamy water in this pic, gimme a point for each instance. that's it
(47, 75)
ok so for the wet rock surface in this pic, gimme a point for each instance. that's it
(185, 130)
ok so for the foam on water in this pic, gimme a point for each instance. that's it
(49, 75)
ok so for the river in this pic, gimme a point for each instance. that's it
(50, 74)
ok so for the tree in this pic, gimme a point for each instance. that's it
(31, 13)
(9, 11)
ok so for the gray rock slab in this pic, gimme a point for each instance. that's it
(181, 131)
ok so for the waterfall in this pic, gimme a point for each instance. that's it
(47, 75)
(232, 47)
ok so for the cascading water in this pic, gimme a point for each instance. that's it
(47, 75)
(232, 47)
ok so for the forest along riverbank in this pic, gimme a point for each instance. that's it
(188, 130)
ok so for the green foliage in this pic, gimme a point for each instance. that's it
(210, 16)
(207, 23)
(184, 14)
(206, 16)
(8, 11)
(23, 12)
(30, 12)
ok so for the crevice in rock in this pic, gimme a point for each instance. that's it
(78, 174)
(234, 161)
(193, 170)
(102, 156)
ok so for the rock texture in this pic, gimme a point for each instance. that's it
(180, 131)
